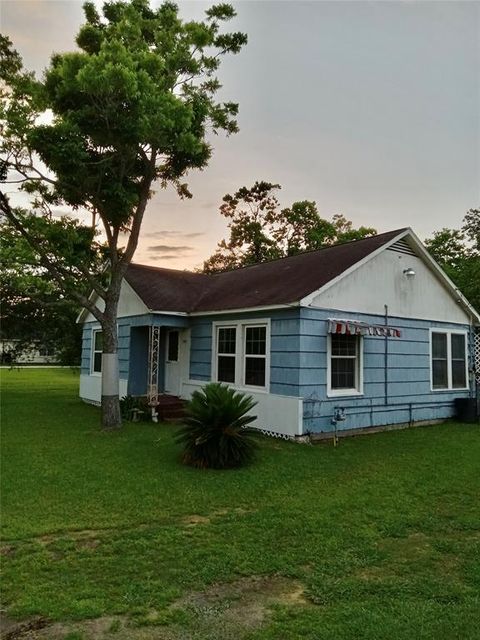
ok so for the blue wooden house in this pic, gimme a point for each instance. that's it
(366, 334)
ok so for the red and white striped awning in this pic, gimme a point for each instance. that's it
(356, 328)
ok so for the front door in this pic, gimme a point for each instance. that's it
(176, 354)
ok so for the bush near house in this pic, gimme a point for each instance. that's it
(102, 532)
(216, 434)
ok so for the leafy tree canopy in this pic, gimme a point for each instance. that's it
(457, 251)
(35, 312)
(135, 105)
(260, 230)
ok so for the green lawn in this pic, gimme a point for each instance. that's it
(107, 536)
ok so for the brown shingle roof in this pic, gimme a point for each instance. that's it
(167, 289)
(278, 282)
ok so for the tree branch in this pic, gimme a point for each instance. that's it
(138, 216)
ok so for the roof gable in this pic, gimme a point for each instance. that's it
(372, 282)
(129, 304)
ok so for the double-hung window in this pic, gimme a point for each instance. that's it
(344, 365)
(97, 339)
(448, 360)
(241, 354)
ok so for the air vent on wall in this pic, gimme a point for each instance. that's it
(402, 247)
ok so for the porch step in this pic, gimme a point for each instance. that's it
(170, 408)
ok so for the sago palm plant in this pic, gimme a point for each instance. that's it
(216, 435)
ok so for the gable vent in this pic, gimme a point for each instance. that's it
(402, 247)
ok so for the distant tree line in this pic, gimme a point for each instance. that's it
(261, 230)
(457, 251)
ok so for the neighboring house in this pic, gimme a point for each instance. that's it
(36, 353)
(371, 331)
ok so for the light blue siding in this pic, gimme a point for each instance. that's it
(200, 349)
(285, 353)
(407, 396)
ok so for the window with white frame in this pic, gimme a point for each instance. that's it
(97, 352)
(448, 360)
(241, 354)
(345, 364)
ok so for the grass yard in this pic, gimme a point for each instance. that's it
(107, 536)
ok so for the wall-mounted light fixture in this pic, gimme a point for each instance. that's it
(409, 273)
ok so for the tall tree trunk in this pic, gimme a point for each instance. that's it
(111, 417)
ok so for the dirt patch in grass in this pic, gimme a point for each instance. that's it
(88, 544)
(267, 589)
(96, 629)
(13, 629)
(226, 611)
(230, 610)
(194, 519)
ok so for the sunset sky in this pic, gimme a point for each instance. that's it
(372, 109)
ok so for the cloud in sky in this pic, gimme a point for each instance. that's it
(161, 252)
(165, 248)
(172, 234)
(165, 256)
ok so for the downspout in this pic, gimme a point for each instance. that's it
(386, 358)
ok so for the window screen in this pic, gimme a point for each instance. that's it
(439, 361)
(255, 356)
(226, 361)
(459, 375)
